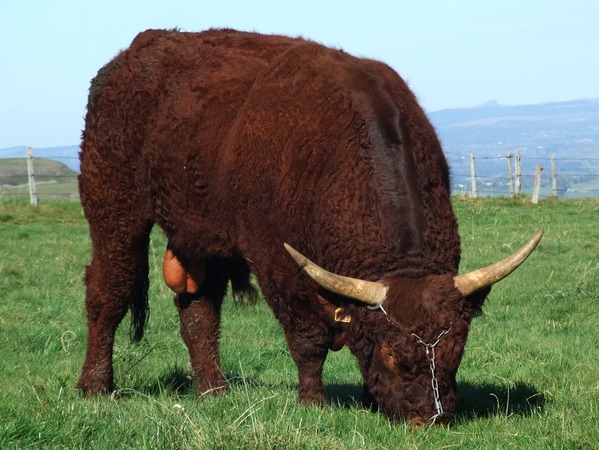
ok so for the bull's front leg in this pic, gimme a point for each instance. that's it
(309, 352)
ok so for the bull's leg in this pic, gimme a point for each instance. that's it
(116, 280)
(308, 339)
(200, 327)
(309, 353)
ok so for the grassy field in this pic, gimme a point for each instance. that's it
(529, 379)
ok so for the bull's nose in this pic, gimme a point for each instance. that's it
(417, 422)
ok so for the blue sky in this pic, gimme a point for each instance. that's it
(453, 53)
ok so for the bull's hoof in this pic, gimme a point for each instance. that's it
(417, 422)
(316, 399)
(91, 389)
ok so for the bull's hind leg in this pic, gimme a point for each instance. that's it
(116, 280)
(200, 328)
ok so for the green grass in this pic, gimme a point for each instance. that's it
(529, 378)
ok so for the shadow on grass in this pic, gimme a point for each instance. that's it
(178, 381)
(488, 399)
(345, 395)
(175, 381)
(475, 401)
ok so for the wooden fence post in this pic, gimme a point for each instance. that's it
(518, 173)
(537, 185)
(31, 174)
(510, 175)
(474, 193)
(554, 176)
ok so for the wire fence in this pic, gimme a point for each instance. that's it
(487, 176)
(52, 177)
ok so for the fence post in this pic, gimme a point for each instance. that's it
(554, 175)
(537, 185)
(31, 175)
(518, 173)
(510, 175)
(474, 193)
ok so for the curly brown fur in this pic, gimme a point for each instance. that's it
(234, 143)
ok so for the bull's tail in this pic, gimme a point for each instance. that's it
(140, 308)
(243, 290)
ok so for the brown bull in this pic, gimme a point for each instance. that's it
(243, 147)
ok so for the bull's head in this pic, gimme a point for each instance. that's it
(410, 338)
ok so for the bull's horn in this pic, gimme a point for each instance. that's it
(370, 292)
(474, 281)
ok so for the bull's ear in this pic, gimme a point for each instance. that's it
(474, 302)
(335, 311)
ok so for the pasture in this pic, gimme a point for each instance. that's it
(529, 378)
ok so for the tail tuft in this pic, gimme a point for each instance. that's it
(244, 291)
(140, 310)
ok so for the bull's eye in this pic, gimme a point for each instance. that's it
(388, 356)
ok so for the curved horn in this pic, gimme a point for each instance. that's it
(474, 281)
(370, 292)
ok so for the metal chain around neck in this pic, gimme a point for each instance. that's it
(430, 355)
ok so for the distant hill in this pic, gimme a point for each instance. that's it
(565, 128)
(53, 179)
(68, 155)
(13, 171)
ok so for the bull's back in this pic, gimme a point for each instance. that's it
(174, 89)
(222, 129)
(158, 115)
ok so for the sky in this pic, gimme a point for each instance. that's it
(453, 53)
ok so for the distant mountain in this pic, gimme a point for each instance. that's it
(564, 128)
